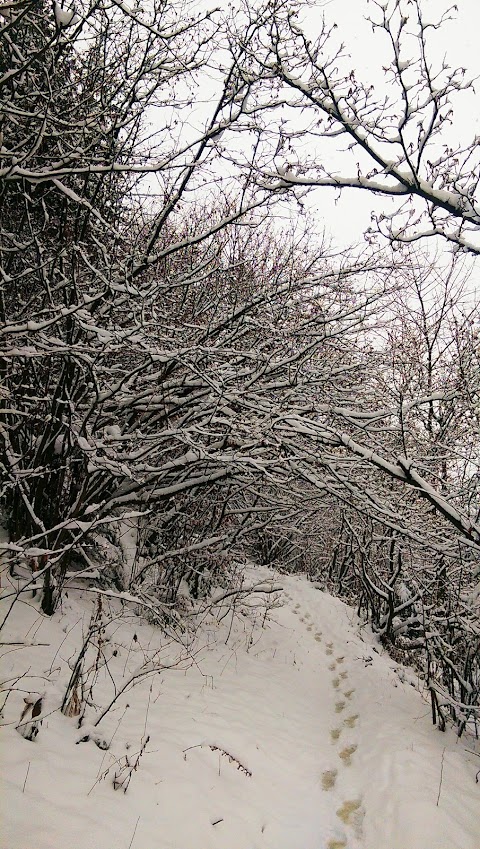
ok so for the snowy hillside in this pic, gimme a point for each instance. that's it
(298, 735)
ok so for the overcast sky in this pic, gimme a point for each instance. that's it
(346, 217)
(457, 41)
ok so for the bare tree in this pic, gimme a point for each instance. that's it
(82, 280)
(144, 348)
(174, 360)
(392, 140)
(303, 97)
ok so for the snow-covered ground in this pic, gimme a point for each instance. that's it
(297, 735)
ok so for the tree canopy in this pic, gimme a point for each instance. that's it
(177, 361)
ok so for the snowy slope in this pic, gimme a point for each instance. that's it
(300, 735)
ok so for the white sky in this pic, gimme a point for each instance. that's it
(347, 217)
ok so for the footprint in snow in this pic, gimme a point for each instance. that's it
(329, 778)
(349, 808)
(343, 675)
(318, 638)
(350, 721)
(335, 734)
(332, 667)
(328, 651)
(351, 813)
(346, 754)
(349, 693)
(336, 683)
(336, 844)
(339, 706)
(307, 616)
(309, 627)
(340, 659)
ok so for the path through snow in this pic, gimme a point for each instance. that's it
(300, 735)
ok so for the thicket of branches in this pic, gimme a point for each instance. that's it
(182, 371)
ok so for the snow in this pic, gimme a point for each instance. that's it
(32, 326)
(84, 444)
(112, 432)
(128, 539)
(63, 17)
(341, 752)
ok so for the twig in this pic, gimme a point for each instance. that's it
(232, 759)
(127, 767)
(477, 755)
(148, 669)
(61, 644)
(99, 773)
(134, 831)
(148, 708)
(441, 777)
(134, 639)
(26, 776)
(213, 748)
